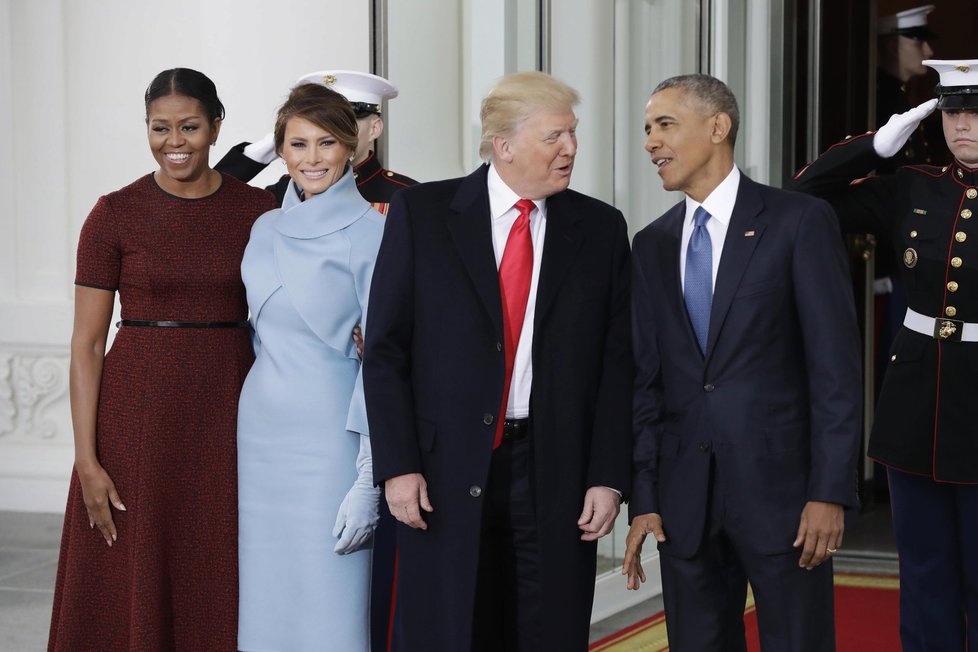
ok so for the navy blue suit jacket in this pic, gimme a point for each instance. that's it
(775, 400)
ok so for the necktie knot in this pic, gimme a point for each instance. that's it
(701, 216)
(525, 206)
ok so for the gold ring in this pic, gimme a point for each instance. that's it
(831, 551)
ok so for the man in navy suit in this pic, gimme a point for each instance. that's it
(497, 375)
(747, 389)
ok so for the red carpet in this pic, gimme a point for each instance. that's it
(866, 620)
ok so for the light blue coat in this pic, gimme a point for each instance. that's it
(307, 271)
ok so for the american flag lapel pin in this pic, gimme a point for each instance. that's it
(748, 234)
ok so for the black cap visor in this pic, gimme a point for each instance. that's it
(957, 98)
(920, 33)
(363, 109)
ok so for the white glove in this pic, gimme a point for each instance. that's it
(357, 518)
(892, 136)
(263, 151)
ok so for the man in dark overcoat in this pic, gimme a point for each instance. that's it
(497, 376)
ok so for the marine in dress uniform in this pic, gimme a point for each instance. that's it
(904, 43)
(926, 426)
(366, 93)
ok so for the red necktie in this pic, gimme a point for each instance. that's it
(515, 271)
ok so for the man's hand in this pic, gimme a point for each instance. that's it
(819, 533)
(892, 136)
(599, 513)
(407, 495)
(641, 527)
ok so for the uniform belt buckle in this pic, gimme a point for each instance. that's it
(948, 330)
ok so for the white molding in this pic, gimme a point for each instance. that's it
(36, 444)
(34, 397)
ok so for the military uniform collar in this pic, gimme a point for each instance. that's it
(964, 175)
(367, 169)
(325, 213)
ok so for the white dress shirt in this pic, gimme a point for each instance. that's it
(503, 214)
(719, 204)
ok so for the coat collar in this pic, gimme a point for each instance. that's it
(471, 231)
(963, 175)
(743, 234)
(472, 234)
(367, 169)
(669, 249)
(326, 213)
(738, 247)
(562, 241)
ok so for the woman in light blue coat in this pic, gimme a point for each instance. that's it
(307, 502)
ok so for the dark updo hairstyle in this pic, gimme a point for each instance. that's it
(189, 83)
(323, 107)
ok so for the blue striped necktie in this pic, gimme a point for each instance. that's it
(698, 290)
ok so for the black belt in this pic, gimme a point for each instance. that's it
(183, 324)
(515, 429)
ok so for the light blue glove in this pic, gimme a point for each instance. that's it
(357, 518)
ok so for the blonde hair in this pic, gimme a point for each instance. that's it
(514, 98)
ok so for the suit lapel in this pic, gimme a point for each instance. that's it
(669, 249)
(560, 245)
(669, 260)
(471, 231)
(737, 251)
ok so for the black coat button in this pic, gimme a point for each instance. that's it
(499, 346)
(475, 491)
(487, 419)
(709, 387)
(704, 446)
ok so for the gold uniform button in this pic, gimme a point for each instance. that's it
(950, 311)
(390, 174)
(966, 213)
(952, 286)
(956, 262)
(944, 169)
(960, 236)
(972, 193)
(913, 234)
(893, 358)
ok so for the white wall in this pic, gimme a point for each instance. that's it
(72, 77)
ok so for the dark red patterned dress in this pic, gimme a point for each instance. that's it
(166, 426)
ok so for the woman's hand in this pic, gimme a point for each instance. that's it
(99, 492)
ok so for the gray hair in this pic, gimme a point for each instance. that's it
(711, 93)
(514, 98)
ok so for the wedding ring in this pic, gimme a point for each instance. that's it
(831, 551)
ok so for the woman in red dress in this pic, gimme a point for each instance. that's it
(149, 546)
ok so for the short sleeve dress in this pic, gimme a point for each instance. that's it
(165, 428)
